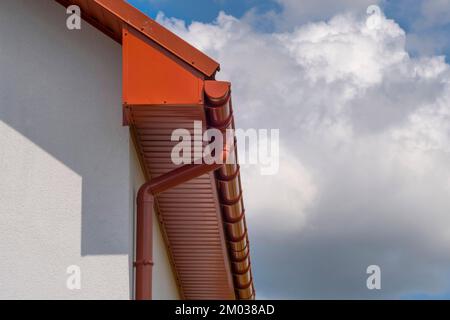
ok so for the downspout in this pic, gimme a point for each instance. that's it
(144, 220)
(144, 244)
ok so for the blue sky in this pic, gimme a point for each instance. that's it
(201, 10)
(432, 39)
(207, 10)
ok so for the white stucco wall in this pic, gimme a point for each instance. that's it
(68, 172)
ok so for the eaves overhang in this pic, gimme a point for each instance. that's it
(169, 85)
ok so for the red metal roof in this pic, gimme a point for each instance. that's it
(110, 15)
(167, 85)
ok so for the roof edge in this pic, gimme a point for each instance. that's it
(125, 13)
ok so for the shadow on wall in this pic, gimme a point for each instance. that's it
(62, 90)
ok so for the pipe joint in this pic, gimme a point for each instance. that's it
(143, 263)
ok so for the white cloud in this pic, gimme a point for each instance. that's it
(428, 22)
(364, 169)
(287, 206)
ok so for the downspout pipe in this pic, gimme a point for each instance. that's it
(144, 219)
(144, 244)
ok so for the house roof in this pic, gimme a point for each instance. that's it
(110, 15)
(167, 85)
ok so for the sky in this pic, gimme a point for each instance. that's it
(362, 103)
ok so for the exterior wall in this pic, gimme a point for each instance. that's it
(67, 169)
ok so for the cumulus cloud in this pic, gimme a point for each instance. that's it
(365, 154)
(428, 23)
